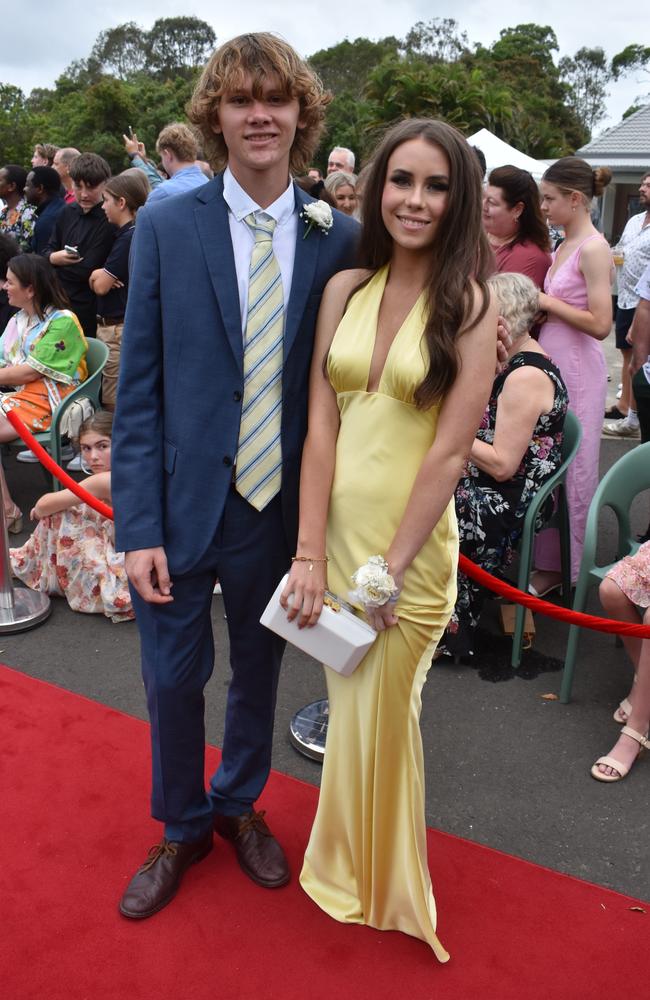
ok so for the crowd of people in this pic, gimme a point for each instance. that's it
(363, 399)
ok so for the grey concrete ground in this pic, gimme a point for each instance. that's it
(504, 767)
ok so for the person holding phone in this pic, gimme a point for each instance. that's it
(82, 237)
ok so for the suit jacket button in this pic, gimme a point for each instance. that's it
(227, 460)
(236, 395)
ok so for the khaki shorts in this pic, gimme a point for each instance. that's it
(112, 337)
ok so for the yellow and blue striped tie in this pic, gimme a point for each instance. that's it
(259, 453)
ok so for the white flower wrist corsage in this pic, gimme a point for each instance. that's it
(374, 584)
(319, 214)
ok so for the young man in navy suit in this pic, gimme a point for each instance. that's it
(207, 443)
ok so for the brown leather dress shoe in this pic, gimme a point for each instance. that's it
(258, 852)
(156, 883)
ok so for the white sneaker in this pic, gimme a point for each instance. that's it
(625, 428)
(619, 391)
(75, 464)
(28, 456)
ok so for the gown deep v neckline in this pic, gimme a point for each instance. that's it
(383, 278)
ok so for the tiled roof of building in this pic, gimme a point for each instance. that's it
(629, 139)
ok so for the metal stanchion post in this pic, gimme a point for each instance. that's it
(20, 609)
(308, 729)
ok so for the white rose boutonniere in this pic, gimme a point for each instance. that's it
(317, 213)
(375, 586)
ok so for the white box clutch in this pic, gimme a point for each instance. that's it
(340, 639)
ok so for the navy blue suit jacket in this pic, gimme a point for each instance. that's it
(181, 371)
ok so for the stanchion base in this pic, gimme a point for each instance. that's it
(308, 729)
(29, 610)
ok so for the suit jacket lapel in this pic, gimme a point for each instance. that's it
(304, 269)
(211, 215)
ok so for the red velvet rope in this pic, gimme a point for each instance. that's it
(468, 568)
(56, 470)
(550, 610)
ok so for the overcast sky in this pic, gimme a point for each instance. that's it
(59, 32)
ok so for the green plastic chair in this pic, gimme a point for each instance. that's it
(570, 444)
(626, 478)
(51, 439)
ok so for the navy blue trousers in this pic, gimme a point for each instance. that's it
(249, 554)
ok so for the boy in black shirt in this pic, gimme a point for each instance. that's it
(123, 196)
(82, 227)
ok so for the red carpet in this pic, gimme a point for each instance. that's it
(74, 779)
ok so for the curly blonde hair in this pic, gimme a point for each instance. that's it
(260, 55)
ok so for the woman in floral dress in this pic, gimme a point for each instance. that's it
(72, 553)
(516, 449)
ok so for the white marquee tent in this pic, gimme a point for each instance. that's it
(497, 153)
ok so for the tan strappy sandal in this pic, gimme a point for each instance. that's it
(626, 707)
(643, 741)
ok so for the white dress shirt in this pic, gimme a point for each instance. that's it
(283, 210)
(635, 244)
(643, 285)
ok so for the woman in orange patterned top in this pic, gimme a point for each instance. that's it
(42, 355)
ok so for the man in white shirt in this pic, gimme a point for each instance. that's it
(634, 249)
(640, 360)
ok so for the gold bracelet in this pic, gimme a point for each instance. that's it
(309, 559)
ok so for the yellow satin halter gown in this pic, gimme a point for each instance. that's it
(366, 861)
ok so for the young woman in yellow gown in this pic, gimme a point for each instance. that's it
(402, 370)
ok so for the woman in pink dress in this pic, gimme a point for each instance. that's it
(577, 300)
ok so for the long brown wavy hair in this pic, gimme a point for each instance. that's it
(460, 253)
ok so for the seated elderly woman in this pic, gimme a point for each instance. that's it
(342, 186)
(42, 355)
(517, 447)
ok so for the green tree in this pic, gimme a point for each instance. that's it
(16, 125)
(544, 123)
(349, 125)
(122, 51)
(461, 94)
(81, 73)
(177, 45)
(344, 68)
(159, 102)
(632, 57)
(437, 40)
(587, 74)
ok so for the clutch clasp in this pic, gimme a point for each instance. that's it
(329, 600)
